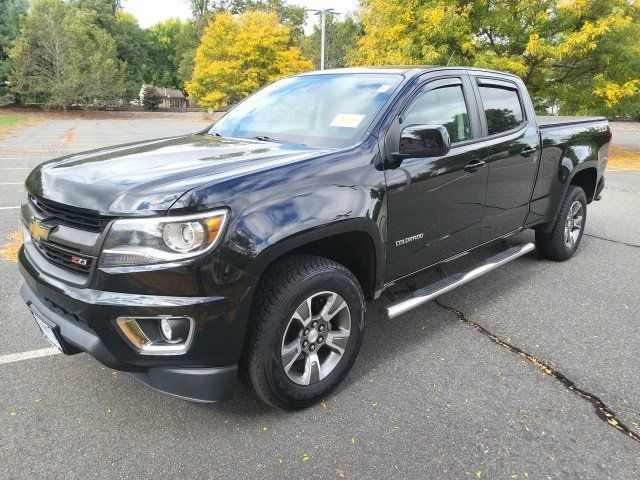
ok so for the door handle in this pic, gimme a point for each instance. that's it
(474, 165)
(528, 150)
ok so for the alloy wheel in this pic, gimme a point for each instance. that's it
(316, 337)
(573, 225)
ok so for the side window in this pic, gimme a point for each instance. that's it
(502, 108)
(442, 106)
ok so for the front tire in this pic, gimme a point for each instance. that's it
(306, 328)
(564, 239)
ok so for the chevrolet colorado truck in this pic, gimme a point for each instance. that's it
(253, 245)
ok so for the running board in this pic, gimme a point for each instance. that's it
(455, 280)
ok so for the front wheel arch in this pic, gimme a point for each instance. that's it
(356, 243)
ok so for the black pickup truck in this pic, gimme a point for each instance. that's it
(253, 245)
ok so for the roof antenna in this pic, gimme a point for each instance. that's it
(450, 58)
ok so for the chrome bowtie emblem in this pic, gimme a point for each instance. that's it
(39, 232)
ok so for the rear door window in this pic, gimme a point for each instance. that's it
(502, 108)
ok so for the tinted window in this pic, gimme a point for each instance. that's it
(502, 109)
(443, 106)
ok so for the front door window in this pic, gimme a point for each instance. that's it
(442, 106)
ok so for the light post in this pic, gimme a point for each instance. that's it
(323, 15)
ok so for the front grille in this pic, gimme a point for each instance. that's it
(72, 218)
(66, 258)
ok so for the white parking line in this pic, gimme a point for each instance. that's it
(12, 183)
(15, 168)
(9, 208)
(17, 357)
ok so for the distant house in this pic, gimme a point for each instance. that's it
(171, 97)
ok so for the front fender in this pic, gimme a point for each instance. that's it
(278, 224)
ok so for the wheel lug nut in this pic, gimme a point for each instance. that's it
(314, 324)
(321, 328)
(305, 343)
(306, 331)
(320, 339)
(312, 348)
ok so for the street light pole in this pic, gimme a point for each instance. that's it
(323, 30)
(323, 15)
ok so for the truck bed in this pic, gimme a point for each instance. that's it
(549, 121)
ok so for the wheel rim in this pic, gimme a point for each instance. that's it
(573, 225)
(316, 337)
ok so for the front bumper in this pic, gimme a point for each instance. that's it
(85, 321)
(191, 383)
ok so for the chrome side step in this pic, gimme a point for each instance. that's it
(455, 280)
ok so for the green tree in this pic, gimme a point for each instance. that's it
(164, 51)
(131, 45)
(341, 40)
(104, 11)
(187, 43)
(201, 8)
(62, 58)
(11, 13)
(151, 99)
(582, 55)
(291, 15)
(240, 54)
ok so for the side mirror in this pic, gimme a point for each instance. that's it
(421, 141)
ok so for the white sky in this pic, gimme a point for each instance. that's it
(150, 12)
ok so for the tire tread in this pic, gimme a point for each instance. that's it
(551, 245)
(271, 290)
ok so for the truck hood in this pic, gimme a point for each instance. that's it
(148, 177)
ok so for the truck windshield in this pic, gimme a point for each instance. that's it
(328, 110)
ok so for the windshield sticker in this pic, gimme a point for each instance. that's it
(347, 120)
(384, 88)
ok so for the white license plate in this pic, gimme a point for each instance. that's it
(48, 332)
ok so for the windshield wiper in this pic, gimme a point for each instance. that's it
(264, 138)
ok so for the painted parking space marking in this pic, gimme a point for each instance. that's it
(18, 357)
(23, 158)
(9, 208)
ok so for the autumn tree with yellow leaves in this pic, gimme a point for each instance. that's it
(583, 55)
(239, 54)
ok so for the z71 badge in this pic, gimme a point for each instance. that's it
(404, 241)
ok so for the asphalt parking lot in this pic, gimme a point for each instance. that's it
(432, 395)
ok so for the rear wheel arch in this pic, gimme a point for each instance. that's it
(562, 241)
(587, 179)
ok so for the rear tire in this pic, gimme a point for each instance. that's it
(564, 239)
(306, 328)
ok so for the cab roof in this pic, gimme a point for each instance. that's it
(405, 70)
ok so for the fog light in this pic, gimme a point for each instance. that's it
(175, 329)
(131, 329)
(158, 335)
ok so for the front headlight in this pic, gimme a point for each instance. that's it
(142, 241)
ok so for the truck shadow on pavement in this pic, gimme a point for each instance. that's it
(386, 340)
